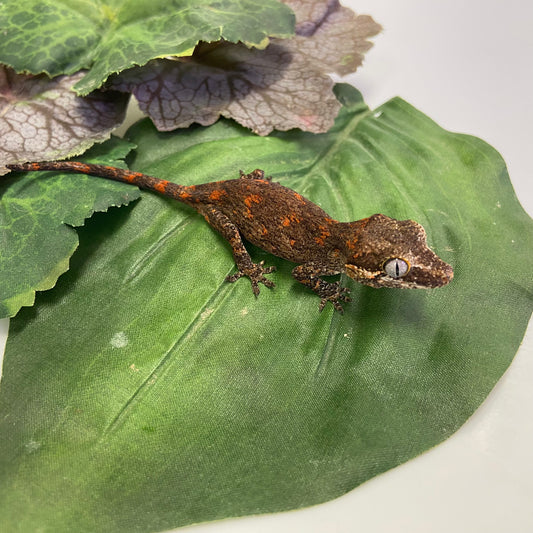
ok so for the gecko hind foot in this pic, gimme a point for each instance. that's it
(257, 174)
(334, 293)
(256, 274)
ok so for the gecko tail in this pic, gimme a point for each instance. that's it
(143, 181)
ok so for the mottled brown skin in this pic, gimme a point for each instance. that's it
(377, 251)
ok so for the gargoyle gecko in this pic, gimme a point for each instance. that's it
(377, 251)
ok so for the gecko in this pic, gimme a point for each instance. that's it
(377, 251)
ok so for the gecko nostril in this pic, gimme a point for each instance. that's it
(448, 273)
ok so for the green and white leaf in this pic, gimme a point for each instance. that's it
(108, 36)
(286, 85)
(37, 215)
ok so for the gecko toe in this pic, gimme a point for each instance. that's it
(268, 270)
(335, 294)
(256, 274)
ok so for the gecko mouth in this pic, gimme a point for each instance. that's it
(428, 277)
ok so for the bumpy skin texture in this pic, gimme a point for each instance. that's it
(377, 251)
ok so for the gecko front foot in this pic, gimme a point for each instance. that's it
(256, 273)
(334, 293)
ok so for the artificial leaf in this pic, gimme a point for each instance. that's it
(109, 36)
(255, 89)
(281, 87)
(331, 37)
(37, 213)
(145, 393)
(43, 119)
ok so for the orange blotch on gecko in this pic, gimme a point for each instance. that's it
(161, 186)
(351, 244)
(216, 195)
(323, 235)
(253, 199)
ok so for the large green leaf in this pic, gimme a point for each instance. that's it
(144, 392)
(37, 213)
(109, 36)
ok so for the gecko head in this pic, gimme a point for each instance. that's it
(394, 253)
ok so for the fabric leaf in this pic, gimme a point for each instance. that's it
(109, 36)
(281, 87)
(144, 392)
(37, 212)
(43, 119)
(331, 36)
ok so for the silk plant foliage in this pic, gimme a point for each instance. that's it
(286, 85)
(37, 215)
(186, 62)
(144, 392)
(43, 119)
(109, 36)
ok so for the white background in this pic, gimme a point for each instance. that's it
(468, 65)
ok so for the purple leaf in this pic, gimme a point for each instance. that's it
(282, 87)
(42, 118)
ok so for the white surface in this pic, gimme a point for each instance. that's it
(468, 65)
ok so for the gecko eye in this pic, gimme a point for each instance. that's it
(396, 267)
